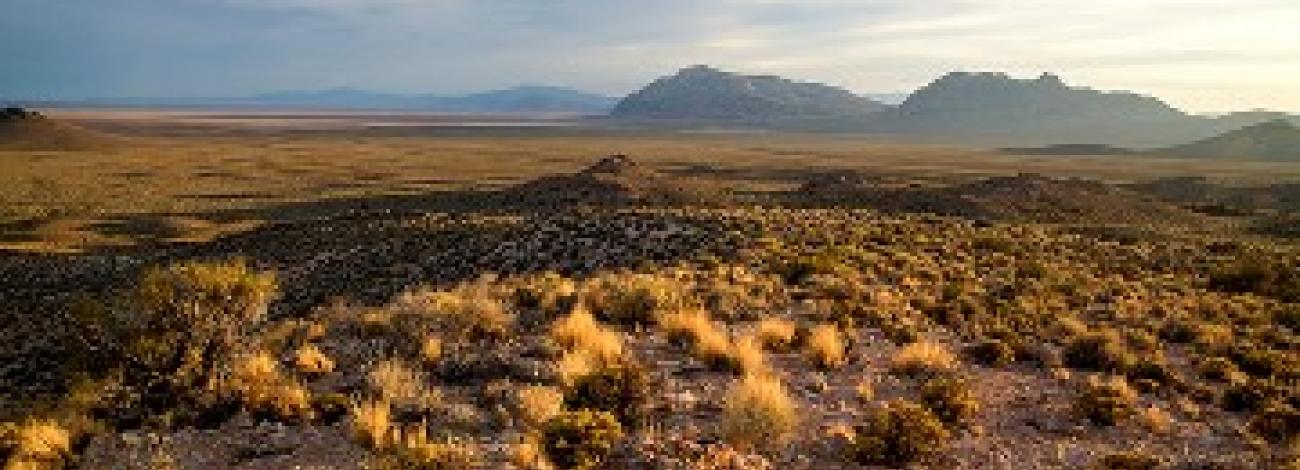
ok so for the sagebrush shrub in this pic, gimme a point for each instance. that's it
(621, 389)
(580, 439)
(992, 352)
(898, 434)
(1100, 351)
(951, 399)
(1131, 460)
(1278, 423)
(1107, 402)
(191, 318)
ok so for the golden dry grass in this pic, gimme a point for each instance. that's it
(758, 413)
(825, 346)
(309, 359)
(775, 334)
(922, 358)
(127, 195)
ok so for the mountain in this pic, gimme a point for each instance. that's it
(705, 93)
(527, 98)
(517, 99)
(1272, 140)
(25, 130)
(1038, 111)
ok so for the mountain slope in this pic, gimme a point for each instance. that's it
(704, 93)
(1272, 140)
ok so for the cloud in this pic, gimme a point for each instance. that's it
(222, 47)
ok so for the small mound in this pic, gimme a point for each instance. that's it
(614, 180)
(1028, 198)
(23, 130)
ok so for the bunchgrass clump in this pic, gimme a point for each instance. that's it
(758, 413)
(922, 358)
(825, 346)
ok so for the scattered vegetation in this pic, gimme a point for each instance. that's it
(758, 413)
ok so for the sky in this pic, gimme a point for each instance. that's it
(1200, 55)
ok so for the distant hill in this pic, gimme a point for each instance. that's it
(517, 99)
(1272, 140)
(23, 130)
(1069, 149)
(705, 93)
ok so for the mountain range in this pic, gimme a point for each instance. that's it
(972, 107)
(521, 99)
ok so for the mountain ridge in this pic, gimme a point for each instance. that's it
(705, 93)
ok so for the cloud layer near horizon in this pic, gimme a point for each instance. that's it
(1200, 54)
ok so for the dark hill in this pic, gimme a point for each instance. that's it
(614, 180)
(23, 130)
(704, 93)
(1020, 198)
(1272, 140)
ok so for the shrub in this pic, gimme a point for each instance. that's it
(758, 411)
(415, 450)
(992, 352)
(1131, 460)
(775, 334)
(709, 343)
(580, 439)
(825, 347)
(38, 444)
(899, 434)
(1278, 423)
(1097, 351)
(535, 405)
(1251, 395)
(396, 383)
(923, 358)
(1221, 369)
(636, 298)
(1274, 278)
(310, 360)
(192, 318)
(266, 393)
(431, 349)
(951, 399)
(372, 423)
(580, 332)
(468, 313)
(1151, 373)
(1107, 402)
(622, 390)
(1265, 363)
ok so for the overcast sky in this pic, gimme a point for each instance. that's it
(1201, 55)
